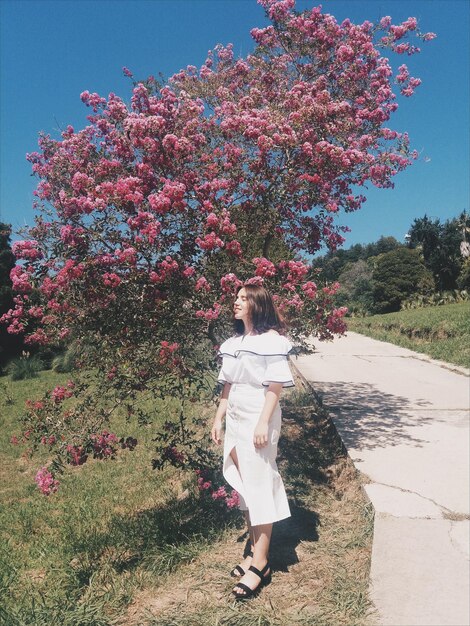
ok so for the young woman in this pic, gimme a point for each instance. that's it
(254, 371)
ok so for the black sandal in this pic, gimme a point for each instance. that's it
(265, 579)
(238, 570)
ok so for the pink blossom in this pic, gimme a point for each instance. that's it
(255, 280)
(411, 23)
(166, 352)
(36, 311)
(103, 444)
(59, 394)
(209, 241)
(296, 270)
(20, 278)
(335, 322)
(38, 337)
(92, 100)
(226, 226)
(345, 53)
(27, 250)
(188, 272)
(111, 280)
(264, 267)
(330, 290)
(385, 22)
(202, 284)
(220, 494)
(277, 9)
(230, 283)
(64, 333)
(233, 500)
(15, 328)
(310, 289)
(234, 247)
(46, 482)
(167, 268)
(71, 235)
(295, 302)
(80, 181)
(126, 255)
(36, 404)
(51, 440)
(210, 314)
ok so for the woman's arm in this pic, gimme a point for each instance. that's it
(260, 436)
(221, 410)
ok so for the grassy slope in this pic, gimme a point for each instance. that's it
(121, 543)
(442, 332)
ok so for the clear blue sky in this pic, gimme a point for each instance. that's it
(53, 50)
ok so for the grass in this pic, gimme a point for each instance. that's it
(121, 544)
(441, 332)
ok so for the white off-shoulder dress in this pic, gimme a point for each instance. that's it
(250, 364)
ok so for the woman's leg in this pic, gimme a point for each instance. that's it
(262, 534)
(246, 562)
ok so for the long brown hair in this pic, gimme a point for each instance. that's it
(263, 312)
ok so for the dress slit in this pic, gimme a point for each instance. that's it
(233, 476)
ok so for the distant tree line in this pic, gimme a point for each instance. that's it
(386, 275)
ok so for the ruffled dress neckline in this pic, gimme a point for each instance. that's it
(263, 344)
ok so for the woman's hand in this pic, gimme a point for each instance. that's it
(260, 436)
(216, 431)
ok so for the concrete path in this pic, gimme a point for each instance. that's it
(404, 419)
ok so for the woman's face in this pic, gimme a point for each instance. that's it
(241, 307)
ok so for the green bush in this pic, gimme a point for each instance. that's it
(398, 275)
(356, 291)
(25, 366)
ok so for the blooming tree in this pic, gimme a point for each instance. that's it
(151, 216)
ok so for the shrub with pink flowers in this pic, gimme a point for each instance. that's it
(205, 483)
(150, 217)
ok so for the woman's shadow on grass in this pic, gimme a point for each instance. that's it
(289, 533)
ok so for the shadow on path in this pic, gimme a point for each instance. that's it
(368, 418)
